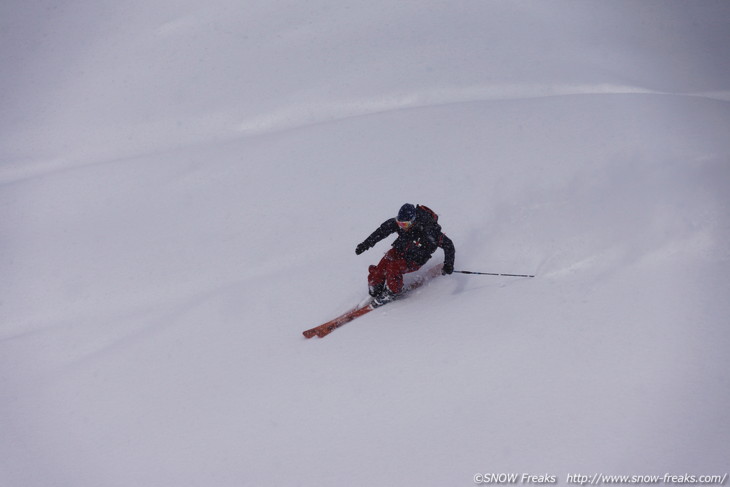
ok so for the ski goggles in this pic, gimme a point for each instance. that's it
(404, 225)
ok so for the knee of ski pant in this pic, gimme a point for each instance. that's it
(372, 271)
(376, 275)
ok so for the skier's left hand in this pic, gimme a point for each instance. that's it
(447, 269)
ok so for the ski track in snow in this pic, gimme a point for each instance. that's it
(302, 115)
(306, 114)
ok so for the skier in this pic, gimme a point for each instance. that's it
(419, 235)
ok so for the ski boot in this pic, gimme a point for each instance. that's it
(376, 291)
(386, 296)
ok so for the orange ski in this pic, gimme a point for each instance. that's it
(327, 328)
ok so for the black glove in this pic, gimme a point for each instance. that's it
(362, 247)
(447, 269)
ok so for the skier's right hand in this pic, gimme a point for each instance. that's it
(362, 247)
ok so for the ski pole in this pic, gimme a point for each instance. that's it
(494, 274)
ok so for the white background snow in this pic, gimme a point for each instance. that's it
(183, 184)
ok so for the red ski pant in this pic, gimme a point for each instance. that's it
(390, 270)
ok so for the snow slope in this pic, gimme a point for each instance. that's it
(182, 188)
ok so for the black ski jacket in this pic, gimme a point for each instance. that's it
(419, 242)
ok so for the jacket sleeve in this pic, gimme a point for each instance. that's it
(449, 250)
(386, 228)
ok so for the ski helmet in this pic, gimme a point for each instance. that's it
(406, 216)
